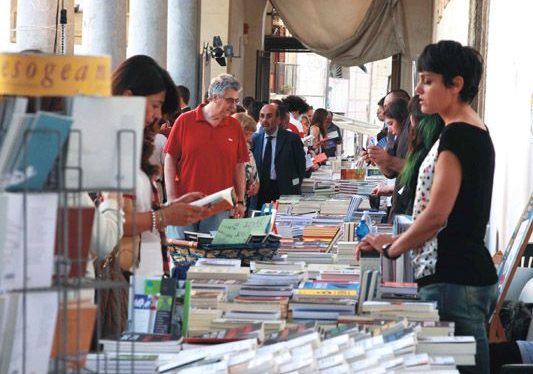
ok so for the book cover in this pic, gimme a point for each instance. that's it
(250, 330)
(78, 341)
(142, 313)
(325, 292)
(73, 239)
(186, 309)
(321, 157)
(110, 129)
(13, 141)
(317, 285)
(40, 147)
(165, 305)
(217, 202)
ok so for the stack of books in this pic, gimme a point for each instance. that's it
(313, 258)
(413, 311)
(335, 207)
(398, 289)
(145, 343)
(324, 300)
(230, 334)
(394, 347)
(346, 272)
(461, 348)
(264, 296)
(346, 253)
(218, 272)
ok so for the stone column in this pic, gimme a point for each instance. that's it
(254, 17)
(5, 24)
(147, 32)
(36, 25)
(104, 29)
(183, 48)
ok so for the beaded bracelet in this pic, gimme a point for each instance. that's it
(154, 221)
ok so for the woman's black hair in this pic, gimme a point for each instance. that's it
(143, 76)
(451, 59)
(397, 110)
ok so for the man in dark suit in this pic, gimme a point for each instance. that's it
(280, 159)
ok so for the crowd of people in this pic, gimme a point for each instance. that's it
(434, 147)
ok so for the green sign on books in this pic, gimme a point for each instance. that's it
(237, 231)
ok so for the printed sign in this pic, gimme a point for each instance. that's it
(54, 75)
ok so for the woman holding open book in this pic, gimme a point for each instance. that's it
(453, 197)
(141, 76)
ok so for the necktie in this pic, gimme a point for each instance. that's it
(267, 160)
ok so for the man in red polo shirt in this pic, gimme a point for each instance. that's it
(206, 151)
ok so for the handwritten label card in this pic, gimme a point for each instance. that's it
(237, 231)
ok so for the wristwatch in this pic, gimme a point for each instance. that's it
(385, 248)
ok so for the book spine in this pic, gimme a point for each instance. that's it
(186, 308)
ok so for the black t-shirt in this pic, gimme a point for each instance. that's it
(462, 257)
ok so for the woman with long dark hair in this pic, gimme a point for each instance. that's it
(141, 76)
(318, 129)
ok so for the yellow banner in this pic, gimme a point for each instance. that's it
(54, 75)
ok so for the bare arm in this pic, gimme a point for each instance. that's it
(135, 222)
(170, 176)
(239, 184)
(177, 212)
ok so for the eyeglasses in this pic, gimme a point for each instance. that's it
(231, 100)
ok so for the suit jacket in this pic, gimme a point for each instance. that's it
(289, 160)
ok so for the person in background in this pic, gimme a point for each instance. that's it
(453, 198)
(184, 96)
(254, 113)
(206, 151)
(381, 118)
(284, 117)
(306, 125)
(247, 103)
(252, 177)
(424, 132)
(310, 112)
(333, 137)
(391, 160)
(318, 130)
(280, 159)
(297, 106)
(141, 215)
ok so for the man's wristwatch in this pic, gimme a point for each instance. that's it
(385, 248)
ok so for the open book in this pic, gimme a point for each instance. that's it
(218, 202)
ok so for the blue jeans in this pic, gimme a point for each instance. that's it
(204, 226)
(470, 308)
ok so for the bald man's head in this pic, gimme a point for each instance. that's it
(269, 118)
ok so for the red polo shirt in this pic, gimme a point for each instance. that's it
(206, 155)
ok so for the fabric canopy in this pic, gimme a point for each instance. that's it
(348, 32)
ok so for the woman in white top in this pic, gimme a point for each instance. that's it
(141, 76)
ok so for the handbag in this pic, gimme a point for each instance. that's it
(112, 300)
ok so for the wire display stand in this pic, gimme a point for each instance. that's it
(75, 317)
